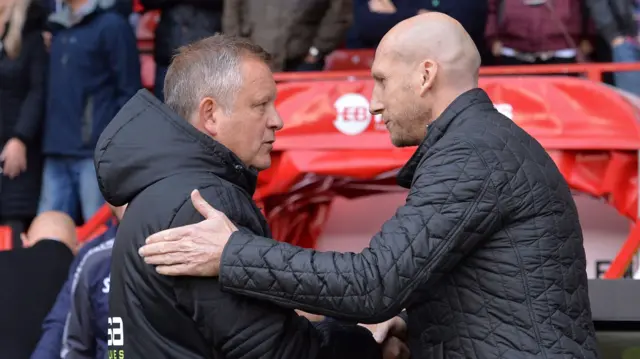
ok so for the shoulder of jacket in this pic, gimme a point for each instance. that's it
(221, 196)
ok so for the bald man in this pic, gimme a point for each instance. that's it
(487, 253)
(53, 225)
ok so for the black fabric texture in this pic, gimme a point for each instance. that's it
(486, 255)
(152, 159)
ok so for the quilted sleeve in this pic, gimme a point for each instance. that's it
(244, 328)
(451, 206)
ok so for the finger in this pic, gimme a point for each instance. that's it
(168, 235)
(165, 259)
(202, 206)
(176, 270)
(158, 248)
(10, 170)
(405, 353)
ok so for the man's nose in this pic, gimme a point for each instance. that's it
(375, 106)
(275, 121)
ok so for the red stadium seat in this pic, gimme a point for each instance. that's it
(6, 238)
(147, 26)
(348, 60)
(147, 71)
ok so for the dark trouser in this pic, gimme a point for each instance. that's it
(18, 225)
(627, 80)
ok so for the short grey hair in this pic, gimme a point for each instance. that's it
(208, 68)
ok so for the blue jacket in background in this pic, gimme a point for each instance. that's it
(85, 334)
(50, 344)
(94, 69)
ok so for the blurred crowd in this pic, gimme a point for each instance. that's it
(67, 67)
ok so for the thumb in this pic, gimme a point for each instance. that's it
(202, 206)
(381, 332)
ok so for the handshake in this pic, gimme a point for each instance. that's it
(392, 335)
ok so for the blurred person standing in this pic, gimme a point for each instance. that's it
(85, 333)
(615, 20)
(23, 66)
(86, 326)
(94, 70)
(471, 14)
(298, 33)
(30, 278)
(372, 19)
(51, 340)
(181, 22)
(538, 31)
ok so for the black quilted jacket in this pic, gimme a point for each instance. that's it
(486, 255)
(152, 159)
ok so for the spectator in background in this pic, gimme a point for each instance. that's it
(299, 34)
(94, 70)
(615, 20)
(42, 269)
(471, 14)
(538, 31)
(372, 19)
(23, 66)
(86, 334)
(124, 7)
(50, 344)
(181, 22)
(51, 225)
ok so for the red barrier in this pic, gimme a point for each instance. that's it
(96, 225)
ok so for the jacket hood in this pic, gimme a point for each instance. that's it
(147, 142)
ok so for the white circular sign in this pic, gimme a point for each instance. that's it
(353, 115)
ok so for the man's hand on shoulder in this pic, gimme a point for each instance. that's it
(192, 250)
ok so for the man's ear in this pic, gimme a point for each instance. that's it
(208, 116)
(428, 72)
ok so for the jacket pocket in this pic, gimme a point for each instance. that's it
(87, 121)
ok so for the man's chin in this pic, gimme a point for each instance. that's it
(402, 142)
(262, 165)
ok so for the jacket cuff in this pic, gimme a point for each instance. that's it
(26, 140)
(404, 316)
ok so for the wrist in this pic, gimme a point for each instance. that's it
(19, 138)
(618, 40)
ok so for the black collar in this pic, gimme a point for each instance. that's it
(438, 128)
